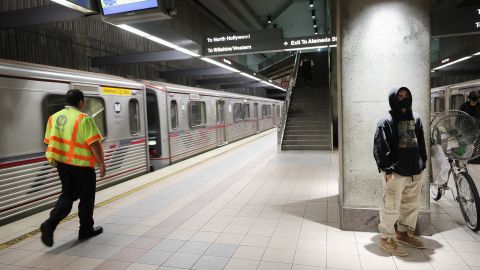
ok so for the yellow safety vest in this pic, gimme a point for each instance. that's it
(69, 135)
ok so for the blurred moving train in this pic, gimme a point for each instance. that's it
(147, 125)
(451, 97)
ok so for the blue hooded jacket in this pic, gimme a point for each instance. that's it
(399, 144)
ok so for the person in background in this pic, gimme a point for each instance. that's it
(400, 153)
(306, 65)
(472, 106)
(74, 148)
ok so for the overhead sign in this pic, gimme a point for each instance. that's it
(458, 21)
(233, 44)
(248, 36)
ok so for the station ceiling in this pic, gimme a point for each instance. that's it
(292, 16)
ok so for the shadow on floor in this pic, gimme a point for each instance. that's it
(324, 215)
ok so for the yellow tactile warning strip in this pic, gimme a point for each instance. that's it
(129, 192)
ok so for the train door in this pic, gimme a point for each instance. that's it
(221, 130)
(255, 116)
(154, 138)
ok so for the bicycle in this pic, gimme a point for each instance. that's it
(458, 135)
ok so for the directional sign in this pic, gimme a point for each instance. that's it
(456, 21)
(245, 44)
(247, 36)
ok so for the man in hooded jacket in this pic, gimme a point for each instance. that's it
(400, 153)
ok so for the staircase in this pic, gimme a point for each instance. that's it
(308, 124)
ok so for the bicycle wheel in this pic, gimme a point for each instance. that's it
(436, 192)
(469, 200)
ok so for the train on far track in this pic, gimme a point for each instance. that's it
(451, 97)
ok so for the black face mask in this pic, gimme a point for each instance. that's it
(474, 98)
(405, 103)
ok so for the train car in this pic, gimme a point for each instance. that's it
(30, 94)
(186, 121)
(147, 125)
(451, 97)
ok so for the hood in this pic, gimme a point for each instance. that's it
(392, 99)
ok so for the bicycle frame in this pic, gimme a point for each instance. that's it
(456, 167)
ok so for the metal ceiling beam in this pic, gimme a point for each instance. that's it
(194, 72)
(243, 85)
(225, 80)
(162, 56)
(253, 14)
(38, 15)
(281, 10)
(239, 15)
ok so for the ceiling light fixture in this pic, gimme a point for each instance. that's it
(478, 53)
(211, 61)
(313, 14)
(454, 62)
(156, 39)
(314, 23)
(250, 76)
(316, 31)
(269, 19)
(311, 3)
(71, 5)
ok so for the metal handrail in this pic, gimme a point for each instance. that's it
(291, 84)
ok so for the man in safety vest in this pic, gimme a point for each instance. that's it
(74, 148)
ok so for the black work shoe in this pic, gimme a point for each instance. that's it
(89, 234)
(47, 235)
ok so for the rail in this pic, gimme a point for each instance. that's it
(274, 59)
(291, 84)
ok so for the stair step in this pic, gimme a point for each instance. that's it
(309, 122)
(306, 136)
(307, 127)
(324, 132)
(306, 142)
(306, 147)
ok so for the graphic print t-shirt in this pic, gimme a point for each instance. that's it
(409, 161)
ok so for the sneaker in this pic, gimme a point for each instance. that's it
(408, 238)
(390, 246)
(82, 235)
(47, 235)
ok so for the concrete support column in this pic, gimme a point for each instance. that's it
(382, 43)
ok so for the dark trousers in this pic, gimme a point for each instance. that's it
(77, 183)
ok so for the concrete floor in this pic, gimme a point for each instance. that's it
(249, 208)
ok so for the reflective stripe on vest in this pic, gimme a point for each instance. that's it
(71, 157)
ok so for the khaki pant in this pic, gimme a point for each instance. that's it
(400, 202)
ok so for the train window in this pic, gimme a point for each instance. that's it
(264, 111)
(456, 101)
(95, 107)
(237, 112)
(246, 111)
(278, 111)
(197, 114)
(133, 115)
(439, 104)
(255, 110)
(174, 114)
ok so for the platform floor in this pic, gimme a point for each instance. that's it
(250, 208)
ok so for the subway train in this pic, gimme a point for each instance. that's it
(147, 125)
(451, 97)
